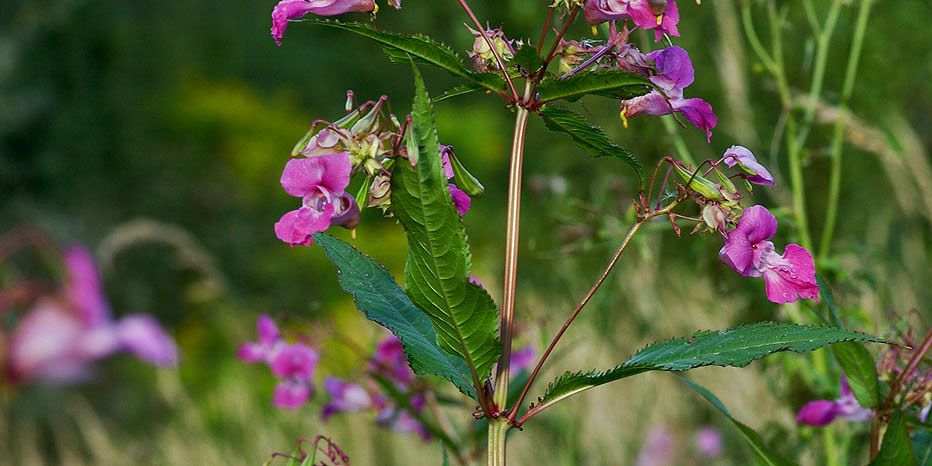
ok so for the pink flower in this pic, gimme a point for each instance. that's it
(741, 156)
(319, 182)
(708, 442)
(461, 200)
(266, 345)
(401, 420)
(823, 412)
(290, 9)
(291, 394)
(60, 337)
(644, 13)
(348, 397)
(390, 361)
(674, 73)
(789, 277)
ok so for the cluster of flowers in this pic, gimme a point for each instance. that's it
(902, 367)
(60, 335)
(390, 364)
(292, 363)
(669, 69)
(747, 248)
(660, 447)
(364, 142)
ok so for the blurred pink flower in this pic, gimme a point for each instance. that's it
(708, 442)
(823, 412)
(60, 337)
(643, 13)
(657, 449)
(293, 364)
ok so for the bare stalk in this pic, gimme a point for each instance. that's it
(498, 58)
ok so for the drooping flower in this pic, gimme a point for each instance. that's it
(286, 10)
(788, 277)
(674, 73)
(659, 15)
(319, 182)
(461, 200)
(823, 412)
(741, 156)
(60, 337)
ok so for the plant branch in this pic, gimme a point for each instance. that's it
(498, 58)
(512, 224)
(556, 41)
(556, 338)
(543, 34)
(854, 56)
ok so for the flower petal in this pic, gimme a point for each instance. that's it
(142, 335)
(290, 9)
(739, 155)
(791, 276)
(83, 287)
(674, 68)
(698, 112)
(460, 199)
(295, 361)
(818, 413)
(297, 226)
(291, 394)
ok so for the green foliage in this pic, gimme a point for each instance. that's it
(860, 371)
(826, 293)
(438, 264)
(763, 455)
(616, 84)
(462, 89)
(402, 48)
(736, 348)
(896, 449)
(587, 136)
(922, 447)
(385, 303)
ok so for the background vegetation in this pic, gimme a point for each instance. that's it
(155, 133)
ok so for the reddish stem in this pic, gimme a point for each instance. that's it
(498, 59)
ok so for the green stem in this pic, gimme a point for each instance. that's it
(498, 428)
(793, 148)
(823, 40)
(507, 324)
(834, 191)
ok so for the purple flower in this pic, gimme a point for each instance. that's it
(741, 156)
(823, 412)
(401, 420)
(522, 359)
(319, 182)
(390, 361)
(346, 396)
(461, 200)
(295, 361)
(644, 13)
(290, 9)
(674, 73)
(60, 337)
(657, 449)
(266, 345)
(708, 442)
(789, 277)
(291, 394)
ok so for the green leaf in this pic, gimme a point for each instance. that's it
(762, 453)
(528, 59)
(826, 293)
(922, 446)
(402, 48)
(385, 303)
(617, 84)
(590, 138)
(437, 269)
(462, 89)
(860, 372)
(896, 449)
(736, 348)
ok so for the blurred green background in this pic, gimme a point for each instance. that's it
(155, 134)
